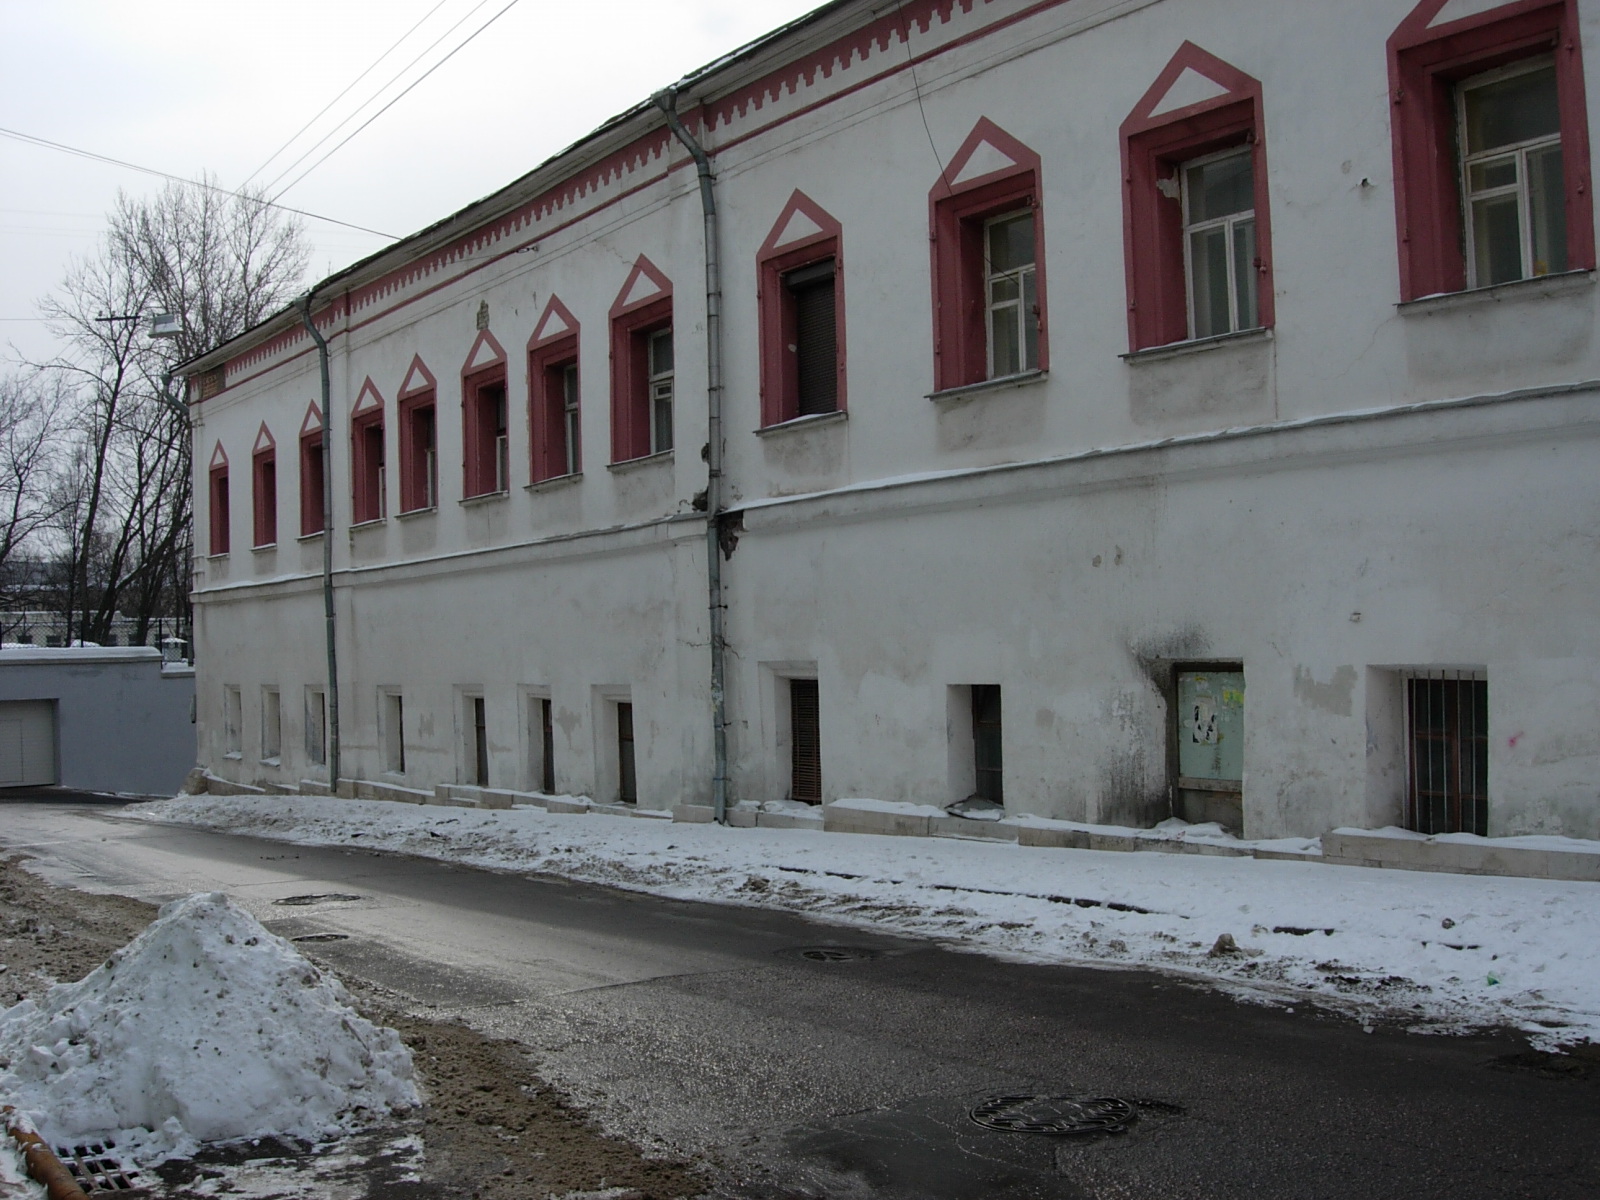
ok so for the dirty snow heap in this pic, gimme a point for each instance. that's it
(204, 1028)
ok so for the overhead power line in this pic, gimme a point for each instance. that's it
(409, 87)
(348, 88)
(46, 143)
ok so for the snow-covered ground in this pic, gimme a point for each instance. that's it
(204, 1028)
(1433, 951)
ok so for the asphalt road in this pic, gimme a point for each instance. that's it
(704, 1027)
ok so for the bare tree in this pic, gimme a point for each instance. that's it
(221, 263)
(28, 501)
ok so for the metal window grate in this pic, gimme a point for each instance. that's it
(480, 742)
(805, 741)
(1448, 745)
(627, 785)
(94, 1170)
(547, 737)
(986, 741)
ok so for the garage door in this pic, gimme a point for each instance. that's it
(27, 743)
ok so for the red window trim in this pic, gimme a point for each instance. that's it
(217, 502)
(1154, 145)
(630, 383)
(264, 508)
(420, 390)
(311, 483)
(551, 349)
(957, 209)
(477, 446)
(780, 384)
(366, 481)
(1424, 65)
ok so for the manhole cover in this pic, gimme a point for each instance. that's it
(322, 937)
(1056, 1115)
(317, 898)
(832, 954)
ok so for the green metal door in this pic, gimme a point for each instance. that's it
(1211, 725)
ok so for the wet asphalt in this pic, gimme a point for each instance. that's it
(852, 1075)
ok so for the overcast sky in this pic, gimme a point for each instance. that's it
(186, 86)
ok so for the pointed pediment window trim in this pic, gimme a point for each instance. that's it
(1231, 85)
(311, 426)
(486, 354)
(556, 321)
(645, 284)
(368, 400)
(264, 440)
(418, 379)
(219, 458)
(988, 154)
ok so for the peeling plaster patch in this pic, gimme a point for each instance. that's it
(1333, 696)
(1044, 719)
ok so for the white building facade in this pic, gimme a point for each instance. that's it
(1130, 408)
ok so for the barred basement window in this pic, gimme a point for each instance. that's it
(805, 742)
(393, 733)
(547, 740)
(627, 782)
(1447, 722)
(988, 773)
(316, 726)
(271, 725)
(232, 722)
(480, 741)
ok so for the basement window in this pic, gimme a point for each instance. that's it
(987, 756)
(392, 733)
(271, 725)
(1447, 740)
(232, 721)
(627, 779)
(805, 742)
(316, 726)
(478, 735)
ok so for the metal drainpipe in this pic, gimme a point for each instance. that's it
(667, 101)
(327, 547)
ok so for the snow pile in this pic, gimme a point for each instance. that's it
(1431, 951)
(203, 1028)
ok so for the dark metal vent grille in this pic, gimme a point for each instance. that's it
(805, 741)
(1055, 1115)
(94, 1172)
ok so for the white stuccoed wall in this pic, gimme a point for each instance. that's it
(1462, 533)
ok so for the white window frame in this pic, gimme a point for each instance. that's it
(660, 392)
(1228, 223)
(570, 415)
(1021, 275)
(1518, 150)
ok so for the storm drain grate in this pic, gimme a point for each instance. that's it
(322, 937)
(1055, 1115)
(95, 1173)
(316, 898)
(832, 954)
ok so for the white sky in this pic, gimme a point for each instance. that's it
(190, 85)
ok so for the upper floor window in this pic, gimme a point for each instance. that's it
(368, 476)
(1511, 174)
(312, 478)
(659, 354)
(988, 262)
(485, 428)
(801, 301)
(217, 498)
(1196, 235)
(1219, 241)
(1491, 146)
(555, 418)
(264, 489)
(643, 378)
(1012, 288)
(419, 440)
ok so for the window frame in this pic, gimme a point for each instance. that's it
(632, 324)
(555, 441)
(368, 473)
(313, 477)
(264, 492)
(959, 209)
(485, 445)
(1157, 144)
(218, 503)
(819, 238)
(1427, 66)
(1228, 222)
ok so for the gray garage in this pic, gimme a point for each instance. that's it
(98, 719)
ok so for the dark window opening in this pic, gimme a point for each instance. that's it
(811, 337)
(627, 785)
(480, 743)
(266, 499)
(547, 736)
(988, 781)
(805, 742)
(219, 510)
(369, 474)
(1448, 784)
(311, 485)
(419, 480)
(488, 461)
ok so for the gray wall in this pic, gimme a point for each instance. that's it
(122, 723)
